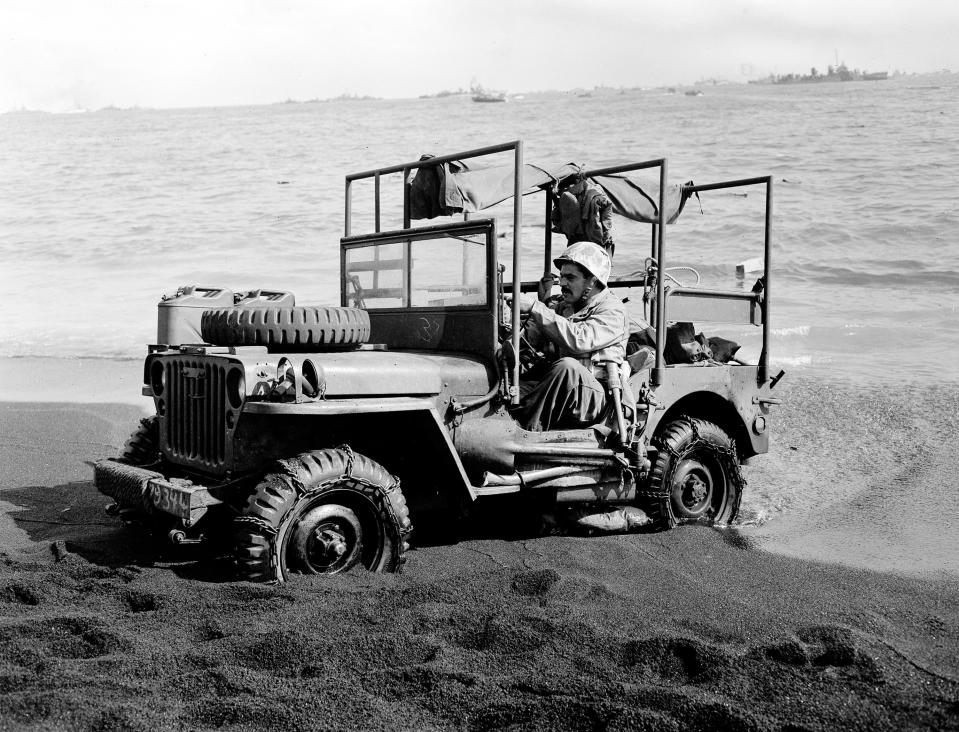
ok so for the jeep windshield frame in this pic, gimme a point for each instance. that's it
(516, 147)
(419, 313)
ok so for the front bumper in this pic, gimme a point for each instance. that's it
(151, 492)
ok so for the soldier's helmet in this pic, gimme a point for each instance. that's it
(588, 255)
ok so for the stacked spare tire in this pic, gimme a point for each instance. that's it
(287, 327)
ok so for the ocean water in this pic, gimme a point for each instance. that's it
(103, 212)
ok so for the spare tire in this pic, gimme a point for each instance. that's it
(285, 326)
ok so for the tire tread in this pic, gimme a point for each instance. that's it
(684, 431)
(279, 491)
(302, 325)
(143, 446)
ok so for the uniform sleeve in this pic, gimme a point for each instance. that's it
(606, 221)
(604, 328)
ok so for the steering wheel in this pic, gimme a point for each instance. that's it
(355, 299)
(531, 361)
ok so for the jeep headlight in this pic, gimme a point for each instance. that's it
(311, 384)
(235, 387)
(157, 377)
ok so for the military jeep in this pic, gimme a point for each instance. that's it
(318, 437)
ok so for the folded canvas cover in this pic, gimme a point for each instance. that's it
(452, 188)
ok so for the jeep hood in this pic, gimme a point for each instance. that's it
(373, 373)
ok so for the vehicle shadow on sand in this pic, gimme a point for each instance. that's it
(72, 518)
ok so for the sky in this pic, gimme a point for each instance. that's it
(59, 55)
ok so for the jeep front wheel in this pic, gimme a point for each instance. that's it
(141, 450)
(143, 446)
(322, 512)
(696, 476)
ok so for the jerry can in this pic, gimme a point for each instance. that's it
(178, 316)
(265, 298)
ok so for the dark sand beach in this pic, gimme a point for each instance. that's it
(694, 629)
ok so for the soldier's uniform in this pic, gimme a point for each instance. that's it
(584, 337)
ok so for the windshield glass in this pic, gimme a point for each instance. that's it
(447, 271)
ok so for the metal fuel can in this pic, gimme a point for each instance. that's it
(179, 315)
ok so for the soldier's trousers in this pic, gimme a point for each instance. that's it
(567, 397)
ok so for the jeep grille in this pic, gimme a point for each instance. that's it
(194, 425)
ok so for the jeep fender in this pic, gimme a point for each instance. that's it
(725, 396)
(404, 434)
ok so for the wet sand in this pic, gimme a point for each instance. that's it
(692, 629)
(866, 476)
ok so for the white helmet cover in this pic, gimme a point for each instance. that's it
(588, 255)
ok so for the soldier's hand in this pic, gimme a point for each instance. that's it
(522, 302)
(546, 286)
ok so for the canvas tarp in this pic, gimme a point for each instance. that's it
(453, 188)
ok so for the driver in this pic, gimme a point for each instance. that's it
(586, 328)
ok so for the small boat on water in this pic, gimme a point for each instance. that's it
(693, 93)
(486, 95)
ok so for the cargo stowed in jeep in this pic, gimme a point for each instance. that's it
(315, 434)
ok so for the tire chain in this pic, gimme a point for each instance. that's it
(289, 471)
(664, 493)
(406, 527)
(303, 492)
(664, 446)
(728, 451)
(350, 459)
(256, 521)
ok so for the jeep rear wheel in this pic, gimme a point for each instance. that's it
(285, 326)
(322, 512)
(696, 477)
